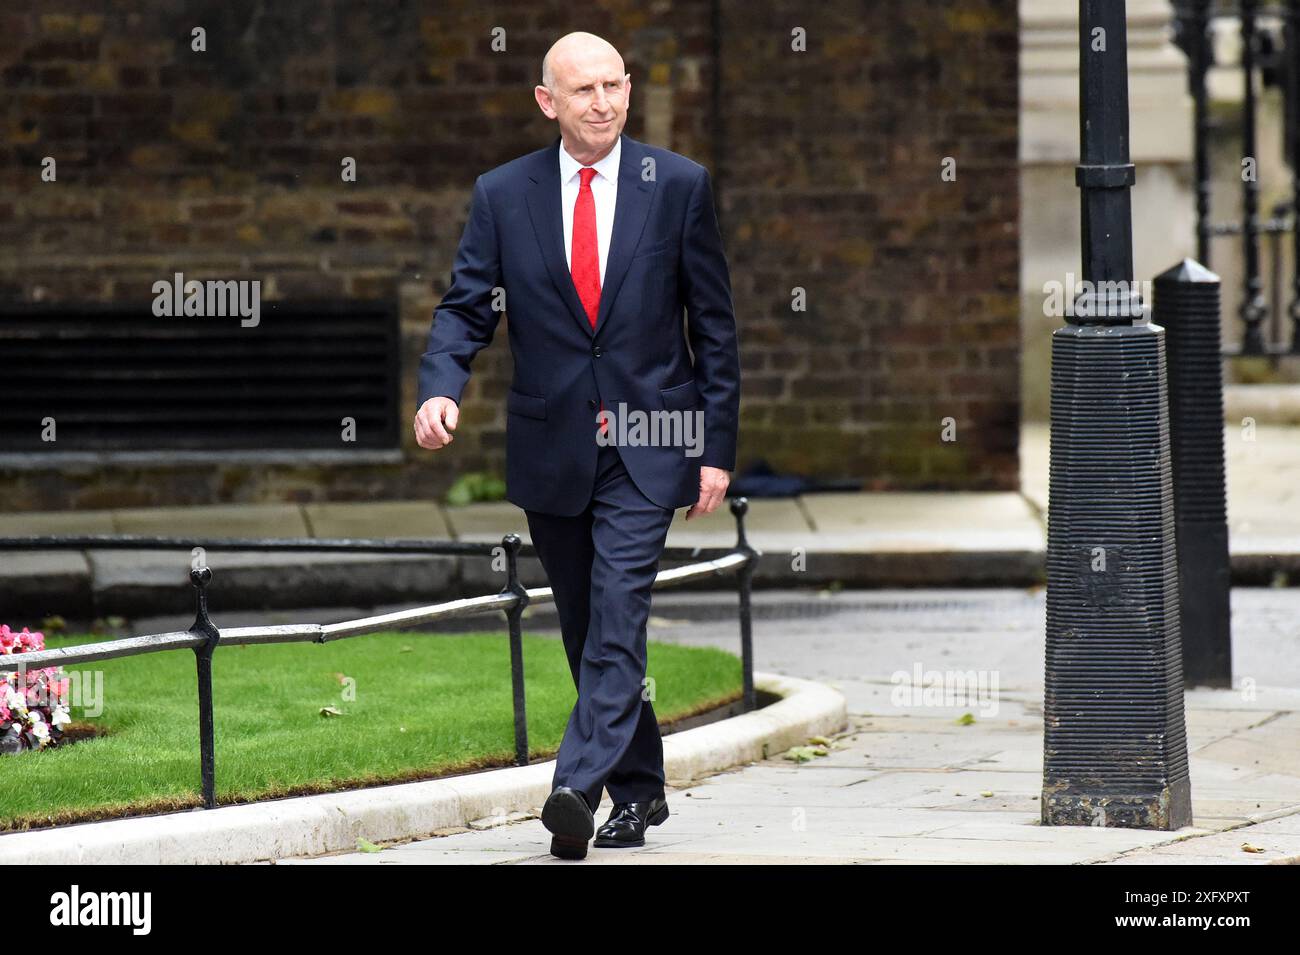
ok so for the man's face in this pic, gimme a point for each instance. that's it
(589, 101)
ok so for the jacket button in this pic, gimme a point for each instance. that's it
(596, 351)
(591, 402)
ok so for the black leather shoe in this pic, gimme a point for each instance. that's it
(626, 825)
(570, 820)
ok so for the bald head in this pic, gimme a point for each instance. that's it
(575, 49)
(585, 90)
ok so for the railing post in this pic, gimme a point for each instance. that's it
(1292, 100)
(514, 619)
(744, 586)
(200, 577)
(1192, 19)
(1253, 307)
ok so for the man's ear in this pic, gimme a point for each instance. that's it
(544, 101)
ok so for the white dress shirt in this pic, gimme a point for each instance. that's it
(604, 190)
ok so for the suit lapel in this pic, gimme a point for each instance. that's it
(630, 209)
(548, 224)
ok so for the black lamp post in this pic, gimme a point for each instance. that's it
(1114, 745)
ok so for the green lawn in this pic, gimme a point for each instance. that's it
(425, 705)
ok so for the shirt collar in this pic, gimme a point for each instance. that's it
(607, 167)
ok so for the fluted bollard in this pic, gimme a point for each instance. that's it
(1187, 307)
(1114, 739)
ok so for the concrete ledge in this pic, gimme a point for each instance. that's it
(312, 825)
(1267, 404)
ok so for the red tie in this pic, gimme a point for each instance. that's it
(584, 262)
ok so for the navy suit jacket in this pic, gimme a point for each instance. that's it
(665, 254)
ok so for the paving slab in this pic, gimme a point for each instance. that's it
(776, 524)
(910, 522)
(487, 521)
(63, 523)
(379, 519)
(1278, 842)
(223, 520)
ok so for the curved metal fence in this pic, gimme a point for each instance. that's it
(204, 636)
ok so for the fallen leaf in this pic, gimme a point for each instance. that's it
(365, 845)
(1247, 847)
(801, 754)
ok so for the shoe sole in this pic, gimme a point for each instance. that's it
(562, 847)
(570, 822)
(604, 842)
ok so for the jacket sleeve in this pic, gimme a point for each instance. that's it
(711, 325)
(464, 321)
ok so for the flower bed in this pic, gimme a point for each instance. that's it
(33, 703)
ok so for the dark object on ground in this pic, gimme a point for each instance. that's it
(759, 480)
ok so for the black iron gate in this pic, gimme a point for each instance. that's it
(1270, 36)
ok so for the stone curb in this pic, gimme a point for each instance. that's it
(66, 584)
(78, 585)
(331, 822)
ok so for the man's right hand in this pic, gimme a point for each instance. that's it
(434, 422)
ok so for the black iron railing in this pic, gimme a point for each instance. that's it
(204, 636)
(1270, 35)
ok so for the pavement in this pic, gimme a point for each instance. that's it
(909, 782)
(851, 540)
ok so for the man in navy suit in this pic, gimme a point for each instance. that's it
(593, 246)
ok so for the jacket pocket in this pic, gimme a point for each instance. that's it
(680, 397)
(530, 406)
(668, 245)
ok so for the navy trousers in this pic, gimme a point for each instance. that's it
(601, 564)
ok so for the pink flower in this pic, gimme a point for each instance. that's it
(39, 701)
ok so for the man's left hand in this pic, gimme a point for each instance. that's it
(713, 489)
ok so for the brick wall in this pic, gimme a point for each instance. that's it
(225, 164)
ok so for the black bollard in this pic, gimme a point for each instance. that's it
(1187, 307)
(1114, 738)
